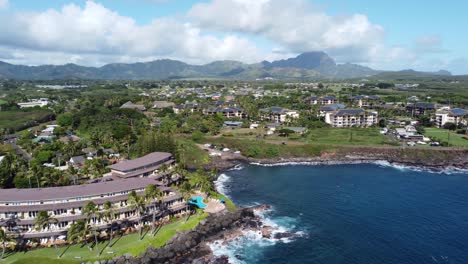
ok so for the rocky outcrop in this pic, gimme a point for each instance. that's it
(431, 158)
(190, 246)
(186, 247)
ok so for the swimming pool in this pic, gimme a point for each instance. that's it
(198, 201)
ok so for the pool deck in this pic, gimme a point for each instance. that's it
(213, 206)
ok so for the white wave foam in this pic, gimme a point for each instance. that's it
(246, 247)
(382, 163)
(401, 167)
(238, 167)
(221, 184)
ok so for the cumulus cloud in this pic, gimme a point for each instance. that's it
(296, 25)
(97, 31)
(212, 30)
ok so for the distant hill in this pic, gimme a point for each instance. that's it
(411, 75)
(309, 65)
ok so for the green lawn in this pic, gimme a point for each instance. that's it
(442, 136)
(327, 135)
(122, 245)
(347, 136)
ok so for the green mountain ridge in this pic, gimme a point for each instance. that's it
(309, 65)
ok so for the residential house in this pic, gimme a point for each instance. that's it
(278, 114)
(420, 108)
(322, 100)
(185, 107)
(351, 118)
(409, 134)
(162, 104)
(272, 128)
(456, 116)
(330, 108)
(228, 112)
(77, 161)
(365, 100)
(130, 105)
(34, 102)
(233, 124)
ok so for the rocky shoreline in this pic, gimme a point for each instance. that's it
(194, 246)
(436, 160)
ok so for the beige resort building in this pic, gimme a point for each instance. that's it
(19, 207)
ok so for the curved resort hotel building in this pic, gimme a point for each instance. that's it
(19, 207)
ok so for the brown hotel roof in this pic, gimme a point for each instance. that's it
(140, 162)
(57, 193)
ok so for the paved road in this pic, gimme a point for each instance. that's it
(11, 140)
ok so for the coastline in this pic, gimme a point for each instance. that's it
(195, 246)
(434, 161)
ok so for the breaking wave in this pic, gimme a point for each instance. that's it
(248, 247)
(381, 163)
(222, 184)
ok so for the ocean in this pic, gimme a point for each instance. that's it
(356, 214)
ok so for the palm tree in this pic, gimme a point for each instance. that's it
(163, 168)
(4, 238)
(152, 195)
(137, 203)
(75, 232)
(109, 216)
(186, 191)
(36, 171)
(90, 210)
(29, 174)
(44, 221)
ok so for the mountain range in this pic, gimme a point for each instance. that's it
(309, 65)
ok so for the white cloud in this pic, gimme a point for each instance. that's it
(4, 4)
(214, 30)
(97, 31)
(296, 25)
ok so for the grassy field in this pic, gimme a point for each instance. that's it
(121, 245)
(441, 135)
(334, 136)
(18, 120)
(347, 136)
(259, 148)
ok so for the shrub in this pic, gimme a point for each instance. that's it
(272, 152)
(253, 151)
(450, 126)
(198, 136)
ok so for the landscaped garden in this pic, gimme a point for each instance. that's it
(127, 244)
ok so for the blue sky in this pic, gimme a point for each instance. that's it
(426, 35)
